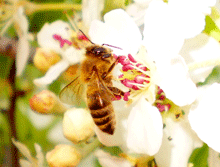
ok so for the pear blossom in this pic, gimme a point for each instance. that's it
(57, 37)
(204, 116)
(167, 69)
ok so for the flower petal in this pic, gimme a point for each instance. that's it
(53, 73)
(178, 144)
(45, 36)
(118, 30)
(118, 138)
(175, 81)
(198, 49)
(161, 36)
(107, 160)
(72, 55)
(145, 128)
(204, 118)
(214, 160)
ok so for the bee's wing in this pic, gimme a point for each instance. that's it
(74, 93)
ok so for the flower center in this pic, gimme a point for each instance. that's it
(134, 75)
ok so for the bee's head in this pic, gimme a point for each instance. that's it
(99, 51)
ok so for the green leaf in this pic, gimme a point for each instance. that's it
(211, 28)
(199, 157)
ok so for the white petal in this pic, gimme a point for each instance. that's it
(162, 37)
(178, 144)
(72, 55)
(53, 73)
(45, 36)
(107, 160)
(137, 12)
(120, 134)
(214, 159)
(91, 10)
(204, 118)
(145, 128)
(22, 20)
(200, 48)
(175, 81)
(22, 54)
(118, 30)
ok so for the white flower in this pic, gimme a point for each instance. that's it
(163, 39)
(204, 116)
(56, 36)
(107, 160)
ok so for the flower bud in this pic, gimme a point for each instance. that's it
(45, 58)
(78, 125)
(46, 102)
(63, 155)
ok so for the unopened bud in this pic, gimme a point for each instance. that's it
(63, 155)
(45, 58)
(78, 125)
(46, 102)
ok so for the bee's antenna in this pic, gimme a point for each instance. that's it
(86, 36)
(111, 46)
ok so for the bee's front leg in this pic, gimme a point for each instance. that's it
(116, 91)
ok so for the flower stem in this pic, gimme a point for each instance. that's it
(90, 147)
(34, 7)
(211, 62)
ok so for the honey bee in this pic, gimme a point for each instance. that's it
(95, 83)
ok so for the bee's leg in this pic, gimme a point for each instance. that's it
(91, 74)
(105, 74)
(116, 91)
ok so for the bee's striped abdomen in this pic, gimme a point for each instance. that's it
(102, 111)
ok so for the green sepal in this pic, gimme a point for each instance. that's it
(199, 157)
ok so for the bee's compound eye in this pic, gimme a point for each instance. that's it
(106, 56)
(98, 50)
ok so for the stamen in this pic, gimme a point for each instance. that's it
(61, 40)
(131, 58)
(126, 96)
